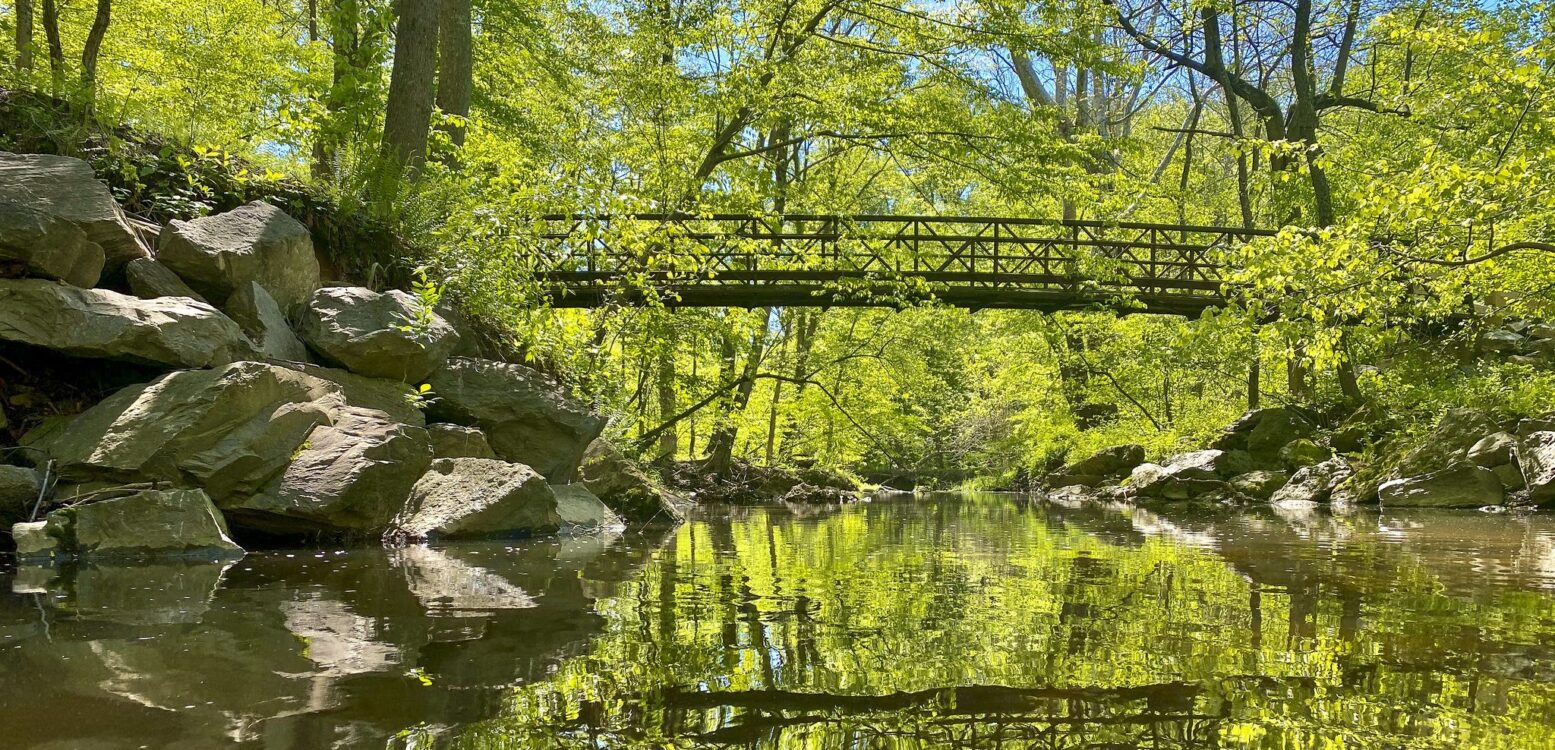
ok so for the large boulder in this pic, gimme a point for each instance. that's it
(146, 524)
(526, 418)
(1494, 450)
(257, 242)
(258, 314)
(392, 397)
(1188, 475)
(457, 441)
(478, 497)
(1448, 442)
(1315, 483)
(1462, 485)
(1108, 463)
(98, 323)
(227, 430)
(1263, 432)
(581, 510)
(1303, 452)
(385, 335)
(348, 478)
(67, 189)
(1536, 458)
(149, 279)
(623, 485)
(47, 246)
(1261, 484)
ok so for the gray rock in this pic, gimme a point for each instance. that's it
(1493, 450)
(257, 242)
(1263, 432)
(1189, 474)
(149, 279)
(227, 430)
(1511, 476)
(349, 478)
(581, 510)
(152, 523)
(1448, 442)
(1351, 438)
(34, 541)
(526, 418)
(1536, 457)
(47, 246)
(1526, 427)
(1315, 483)
(1502, 341)
(379, 335)
(19, 488)
(1260, 484)
(257, 313)
(456, 441)
(102, 324)
(1541, 331)
(478, 497)
(66, 188)
(1115, 461)
(392, 397)
(623, 485)
(1462, 485)
(1303, 452)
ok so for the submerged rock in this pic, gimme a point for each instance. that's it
(581, 510)
(380, 335)
(98, 323)
(258, 314)
(527, 418)
(1462, 485)
(478, 497)
(64, 188)
(149, 279)
(257, 242)
(456, 441)
(147, 524)
(47, 246)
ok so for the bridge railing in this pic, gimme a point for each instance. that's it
(680, 250)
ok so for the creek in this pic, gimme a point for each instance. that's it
(953, 621)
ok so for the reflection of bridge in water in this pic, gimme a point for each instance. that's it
(741, 260)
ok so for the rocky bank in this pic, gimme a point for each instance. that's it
(275, 405)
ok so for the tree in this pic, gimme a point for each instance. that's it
(24, 44)
(456, 66)
(408, 111)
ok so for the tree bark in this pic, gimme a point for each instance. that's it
(23, 36)
(720, 446)
(456, 65)
(93, 47)
(669, 440)
(408, 113)
(344, 24)
(56, 48)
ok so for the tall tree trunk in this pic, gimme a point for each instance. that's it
(407, 115)
(56, 48)
(804, 338)
(23, 36)
(456, 65)
(92, 48)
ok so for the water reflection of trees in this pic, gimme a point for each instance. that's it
(989, 624)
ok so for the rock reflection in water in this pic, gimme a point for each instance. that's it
(305, 649)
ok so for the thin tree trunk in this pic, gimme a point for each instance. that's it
(456, 65)
(23, 36)
(669, 441)
(408, 113)
(92, 48)
(720, 447)
(56, 48)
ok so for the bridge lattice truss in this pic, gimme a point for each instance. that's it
(737, 260)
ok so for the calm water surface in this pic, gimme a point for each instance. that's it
(987, 621)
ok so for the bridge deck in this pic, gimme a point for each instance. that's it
(738, 260)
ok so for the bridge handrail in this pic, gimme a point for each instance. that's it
(911, 219)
